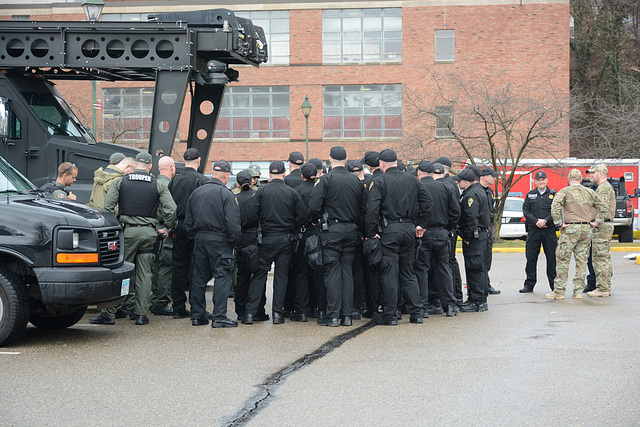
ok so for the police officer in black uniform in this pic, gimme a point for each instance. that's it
(371, 273)
(453, 235)
(338, 201)
(473, 228)
(213, 220)
(397, 203)
(279, 211)
(540, 231)
(432, 263)
(181, 187)
(296, 159)
(303, 274)
(487, 180)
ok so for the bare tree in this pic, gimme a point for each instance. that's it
(486, 118)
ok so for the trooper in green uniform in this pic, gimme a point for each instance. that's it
(142, 200)
(163, 268)
(574, 208)
(602, 233)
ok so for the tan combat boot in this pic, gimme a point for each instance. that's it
(554, 295)
(577, 295)
(599, 293)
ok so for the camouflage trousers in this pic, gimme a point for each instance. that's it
(601, 252)
(575, 239)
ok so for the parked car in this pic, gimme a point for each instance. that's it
(512, 226)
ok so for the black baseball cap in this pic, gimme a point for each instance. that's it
(317, 163)
(308, 170)
(467, 175)
(338, 153)
(425, 166)
(354, 166)
(475, 169)
(371, 159)
(191, 154)
(243, 177)
(438, 168)
(296, 158)
(277, 168)
(445, 161)
(388, 155)
(486, 171)
(222, 166)
(541, 174)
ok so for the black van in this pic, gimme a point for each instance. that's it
(56, 258)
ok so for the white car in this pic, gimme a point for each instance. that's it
(512, 226)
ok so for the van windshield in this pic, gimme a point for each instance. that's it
(13, 181)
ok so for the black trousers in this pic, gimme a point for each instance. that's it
(475, 267)
(358, 276)
(278, 250)
(244, 279)
(547, 238)
(488, 256)
(432, 268)
(372, 285)
(398, 254)
(213, 258)
(338, 249)
(455, 267)
(302, 277)
(181, 257)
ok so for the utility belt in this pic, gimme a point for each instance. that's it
(328, 222)
(125, 225)
(275, 238)
(578, 223)
(213, 235)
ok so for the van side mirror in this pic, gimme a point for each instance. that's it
(4, 118)
(636, 193)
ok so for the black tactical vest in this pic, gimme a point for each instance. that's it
(139, 195)
(51, 187)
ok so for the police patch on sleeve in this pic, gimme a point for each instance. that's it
(371, 186)
(551, 196)
(469, 201)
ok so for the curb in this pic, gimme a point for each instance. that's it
(522, 250)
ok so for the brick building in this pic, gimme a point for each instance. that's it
(363, 65)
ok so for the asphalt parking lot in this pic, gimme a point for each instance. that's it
(526, 361)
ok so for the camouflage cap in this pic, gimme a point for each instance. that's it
(598, 168)
(254, 170)
(116, 158)
(144, 157)
(575, 175)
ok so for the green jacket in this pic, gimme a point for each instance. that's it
(102, 180)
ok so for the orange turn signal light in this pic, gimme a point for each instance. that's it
(63, 258)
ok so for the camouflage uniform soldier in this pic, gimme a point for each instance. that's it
(602, 233)
(573, 208)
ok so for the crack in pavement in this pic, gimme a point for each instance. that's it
(262, 397)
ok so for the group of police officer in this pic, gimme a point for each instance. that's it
(343, 245)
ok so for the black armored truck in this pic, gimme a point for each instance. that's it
(56, 258)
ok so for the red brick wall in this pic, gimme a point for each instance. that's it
(517, 44)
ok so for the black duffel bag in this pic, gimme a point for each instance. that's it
(313, 250)
(372, 249)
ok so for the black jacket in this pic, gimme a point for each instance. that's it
(474, 211)
(538, 206)
(181, 187)
(446, 205)
(341, 195)
(278, 208)
(213, 208)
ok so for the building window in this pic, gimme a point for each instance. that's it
(445, 45)
(254, 112)
(444, 122)
(127, 113)
(125, 17)
(362, 35)
(276, 29)
(362, 111)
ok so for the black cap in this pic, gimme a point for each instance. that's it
(388, 155)
(456, 178)
(277, 167)
(296, 158)
(438, 168)
(371, 159)
(486, 171)
(191, 154)
(401, 166)
(445, 161)
(243, 177)
(222, 166)
(354, 166)
(425, 166)
(308, 170)
(338, 153)
(541, 174)
(475, 169)
(317, 163)
(467, 175)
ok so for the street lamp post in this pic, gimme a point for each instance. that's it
(306, 110)
(92, 9)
